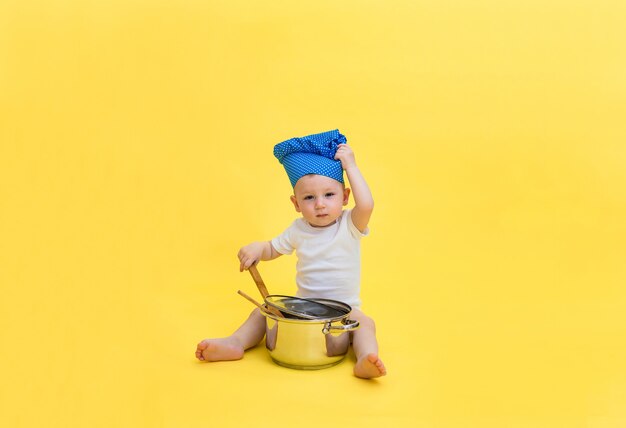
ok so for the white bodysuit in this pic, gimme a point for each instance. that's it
(329, 258)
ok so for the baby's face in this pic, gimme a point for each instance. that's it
(320, 199)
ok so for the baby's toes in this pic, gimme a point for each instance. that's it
(201, 347)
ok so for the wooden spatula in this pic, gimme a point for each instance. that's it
(263, 289)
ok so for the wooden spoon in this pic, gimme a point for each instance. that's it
(263, 290)
(258, 281)
(241, 293)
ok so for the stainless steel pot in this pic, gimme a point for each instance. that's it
(309, 344)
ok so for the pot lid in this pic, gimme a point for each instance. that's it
(311, 308)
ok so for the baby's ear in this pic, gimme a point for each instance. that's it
(294, 201)
(346, 195)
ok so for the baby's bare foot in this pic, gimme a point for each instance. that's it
(223, 349)
(369, 367)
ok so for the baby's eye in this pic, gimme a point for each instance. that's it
(329, 194)
(308, 198)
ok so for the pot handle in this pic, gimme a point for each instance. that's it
(347, 325)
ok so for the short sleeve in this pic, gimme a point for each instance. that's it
(354, 231)
(283, 243)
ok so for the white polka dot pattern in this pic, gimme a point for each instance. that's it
(313, 154)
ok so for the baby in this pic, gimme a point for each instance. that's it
(326, 240)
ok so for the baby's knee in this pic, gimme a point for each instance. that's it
(366, 322)
(257, 317)
(370, 324)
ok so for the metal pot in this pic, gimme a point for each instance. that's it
(314, 343)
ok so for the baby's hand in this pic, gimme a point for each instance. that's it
(249, 255)
(346, 156)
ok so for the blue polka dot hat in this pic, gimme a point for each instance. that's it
(313, 154)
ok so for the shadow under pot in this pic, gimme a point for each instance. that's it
(314, 333)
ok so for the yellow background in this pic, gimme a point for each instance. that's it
(136, 158)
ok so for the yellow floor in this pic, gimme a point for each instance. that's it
(135, 160)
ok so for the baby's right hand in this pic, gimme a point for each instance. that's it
(249, 255)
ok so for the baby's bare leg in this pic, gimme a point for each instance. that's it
(368, 365)
(232, 347)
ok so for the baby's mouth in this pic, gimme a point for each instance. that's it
(323, 221)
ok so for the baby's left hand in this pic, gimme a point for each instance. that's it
(346, 156)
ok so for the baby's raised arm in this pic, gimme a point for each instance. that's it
(254, 252)
(364, 202)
